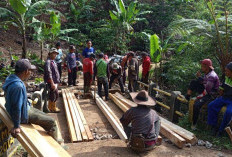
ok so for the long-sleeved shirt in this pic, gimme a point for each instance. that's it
(133, 69)
(51, 72)
(211, 82)
(101, 69)
(142, 119)
(71, 60)
(146, 65)
(88, 66)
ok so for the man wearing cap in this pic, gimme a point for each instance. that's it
(141, 123)
(58, 59)
(88, 50)
(72, 66)
(225, 99)
(88, 72)
(17, 104)
(116, 74)
(146, 67)
(101, 70)
(206, 87)
(133, 72)
(52, 79)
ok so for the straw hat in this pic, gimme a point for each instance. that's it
(142, 98)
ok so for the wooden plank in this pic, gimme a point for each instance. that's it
(125, 101)
(58, 148)
(88, 132)
(172, 136)
(229, 132)
(78, 117)
(73, 115)
(187, 135)
(123, 107)
(111, 119)
(71, 129)
(59, 136)
(38, 141)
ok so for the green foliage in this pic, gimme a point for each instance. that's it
(35, 60)
(39, 80)
(155, 52)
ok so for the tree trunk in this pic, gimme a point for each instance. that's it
(24, 48)
(41, 52)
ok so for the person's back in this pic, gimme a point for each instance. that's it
(88, 65)
(133, 68)
(101, 68)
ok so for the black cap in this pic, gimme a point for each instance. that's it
(72, 47)
(92, 55)
(23, 65)
(229, 66)
(58, 44)
(101, 55)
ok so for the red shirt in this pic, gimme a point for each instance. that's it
(88, 66)
(146, 65)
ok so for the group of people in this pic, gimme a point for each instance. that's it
(140, 123)
(212, 93)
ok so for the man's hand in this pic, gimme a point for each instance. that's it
(198, 74)
(15, 132)
(69, 70)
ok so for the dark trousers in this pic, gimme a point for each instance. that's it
(112, 78)
(124, 77)
(72, 76)
(103, 81)
(145, 79)
(53, 94)
(214, 108)
(198, 105)
(87, 81)
(132, 86)
(59, 69)
(42, 119)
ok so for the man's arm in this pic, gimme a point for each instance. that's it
(209, 84)
(127, 117)
(108, 71)
(49, 73)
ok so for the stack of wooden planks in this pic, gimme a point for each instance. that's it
(78, 127)
(36, 143)
(176, 134)
(112, 118)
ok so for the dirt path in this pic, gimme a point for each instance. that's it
(115, 147)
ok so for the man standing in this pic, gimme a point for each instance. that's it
(59, 59)
(17, 104)
(116, 74)
(101, 70)
(88, 72)
(52, 79)
(133, 71)
(146, 67)
(206, 87)
(141, 123)
(124, 67)
(88, 50)
(72, 66)
(224, 100)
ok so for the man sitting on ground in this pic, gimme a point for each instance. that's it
(17, 104)
(141, 123)
(206, 87)
(224, 100)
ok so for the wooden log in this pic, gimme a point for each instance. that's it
(111, 119)
(172, 136)
(123, 107)
(88, 132)
(71, 128)
(73, 115)
(187, 135)
(229, 132)
(125, 101)
(58, 148)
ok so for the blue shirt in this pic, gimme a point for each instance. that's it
(71, 60)
(87, 51)
(59, 56)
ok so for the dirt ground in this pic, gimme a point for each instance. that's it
(115, 147)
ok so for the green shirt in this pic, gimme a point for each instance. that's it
(101, 68)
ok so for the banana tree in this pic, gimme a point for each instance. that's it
(20, 14)
(124, 17)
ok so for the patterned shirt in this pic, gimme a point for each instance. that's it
(51, 72)
(71, 60)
